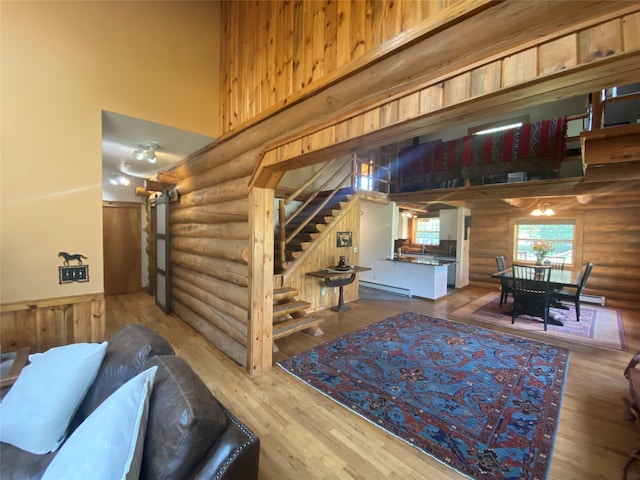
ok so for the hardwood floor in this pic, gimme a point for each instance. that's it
(305, 435)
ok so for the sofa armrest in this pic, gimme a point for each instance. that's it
(234, 456)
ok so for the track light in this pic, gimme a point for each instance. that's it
(145, 151)
(119, 181)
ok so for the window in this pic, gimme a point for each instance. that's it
(561, 233)
(428, 231)
(365, 180)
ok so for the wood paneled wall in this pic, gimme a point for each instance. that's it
(607, 235)
(44, 324)
(273, 50)
(562, 56)
(324, 254)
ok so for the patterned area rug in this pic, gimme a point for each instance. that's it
(483, 402)
(598, 327)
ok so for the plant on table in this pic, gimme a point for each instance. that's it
(541, 249)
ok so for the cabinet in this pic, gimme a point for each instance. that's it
(449, 224)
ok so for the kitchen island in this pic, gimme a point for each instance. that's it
(424, 277)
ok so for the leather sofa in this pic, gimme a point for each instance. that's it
(190, 434)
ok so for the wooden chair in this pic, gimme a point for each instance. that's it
(532, 291)
(574, 294)
(555, 262)
(505, 282)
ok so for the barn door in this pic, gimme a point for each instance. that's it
(121, 237)
(161, 222)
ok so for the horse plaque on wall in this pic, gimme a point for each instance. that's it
(73, 273)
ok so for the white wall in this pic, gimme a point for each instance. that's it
(378, 227)
(62, 65)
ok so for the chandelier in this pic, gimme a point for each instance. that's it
(146, 151)
(543, 209)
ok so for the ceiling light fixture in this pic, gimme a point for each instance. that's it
(543, 209)
(119, 181)
(499, 129)
(145, 151)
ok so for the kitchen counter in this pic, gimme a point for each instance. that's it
(422, 260)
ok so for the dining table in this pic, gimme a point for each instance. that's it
(559, 278)
(568, 277)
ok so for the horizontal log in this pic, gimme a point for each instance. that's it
(196, 216)
(616, 285)
(226, 291)
(224, 322)
(222, 192)
(231, 207)
(235, 317)
(234, 350)
(227, 231)
(232, 272)
(605, 228)
(234, 250)
(238, 165)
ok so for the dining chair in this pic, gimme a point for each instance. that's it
(573, 295)
(555, 262)
(505, 282)
(532, 291)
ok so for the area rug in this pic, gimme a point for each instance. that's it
(598, 327)
(483, 402)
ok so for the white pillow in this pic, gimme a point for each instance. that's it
(110, 442)
(36, 412)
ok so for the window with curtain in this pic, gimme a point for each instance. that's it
(560, 232)
(428, 231)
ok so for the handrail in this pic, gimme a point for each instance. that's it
(311, 179)
(321, 206)
(283, 221)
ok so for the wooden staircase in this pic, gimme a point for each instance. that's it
(303, 240)
(290, 316)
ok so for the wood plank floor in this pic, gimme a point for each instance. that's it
(305, 435)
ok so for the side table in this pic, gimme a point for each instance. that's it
(339, 278)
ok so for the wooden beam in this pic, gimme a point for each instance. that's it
(533, 189)
(259, 346)
(619, 144)
(142, 192)
(167, 178)
(568, 83)
(152, 186)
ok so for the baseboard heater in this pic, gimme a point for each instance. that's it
(592, 299)
(386, 288)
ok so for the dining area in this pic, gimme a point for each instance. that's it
(535, 289)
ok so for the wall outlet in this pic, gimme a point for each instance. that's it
(355, 249)
(323, 291)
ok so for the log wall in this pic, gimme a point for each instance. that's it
(44, 324)
(209, 256)
(607, 235)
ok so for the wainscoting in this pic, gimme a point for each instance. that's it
(43, 324)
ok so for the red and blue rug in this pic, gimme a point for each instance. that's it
(483, 402)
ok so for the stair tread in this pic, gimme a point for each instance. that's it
(285, 308)
(292, 326)
(285, 292)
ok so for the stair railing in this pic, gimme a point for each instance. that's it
(283, 221)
